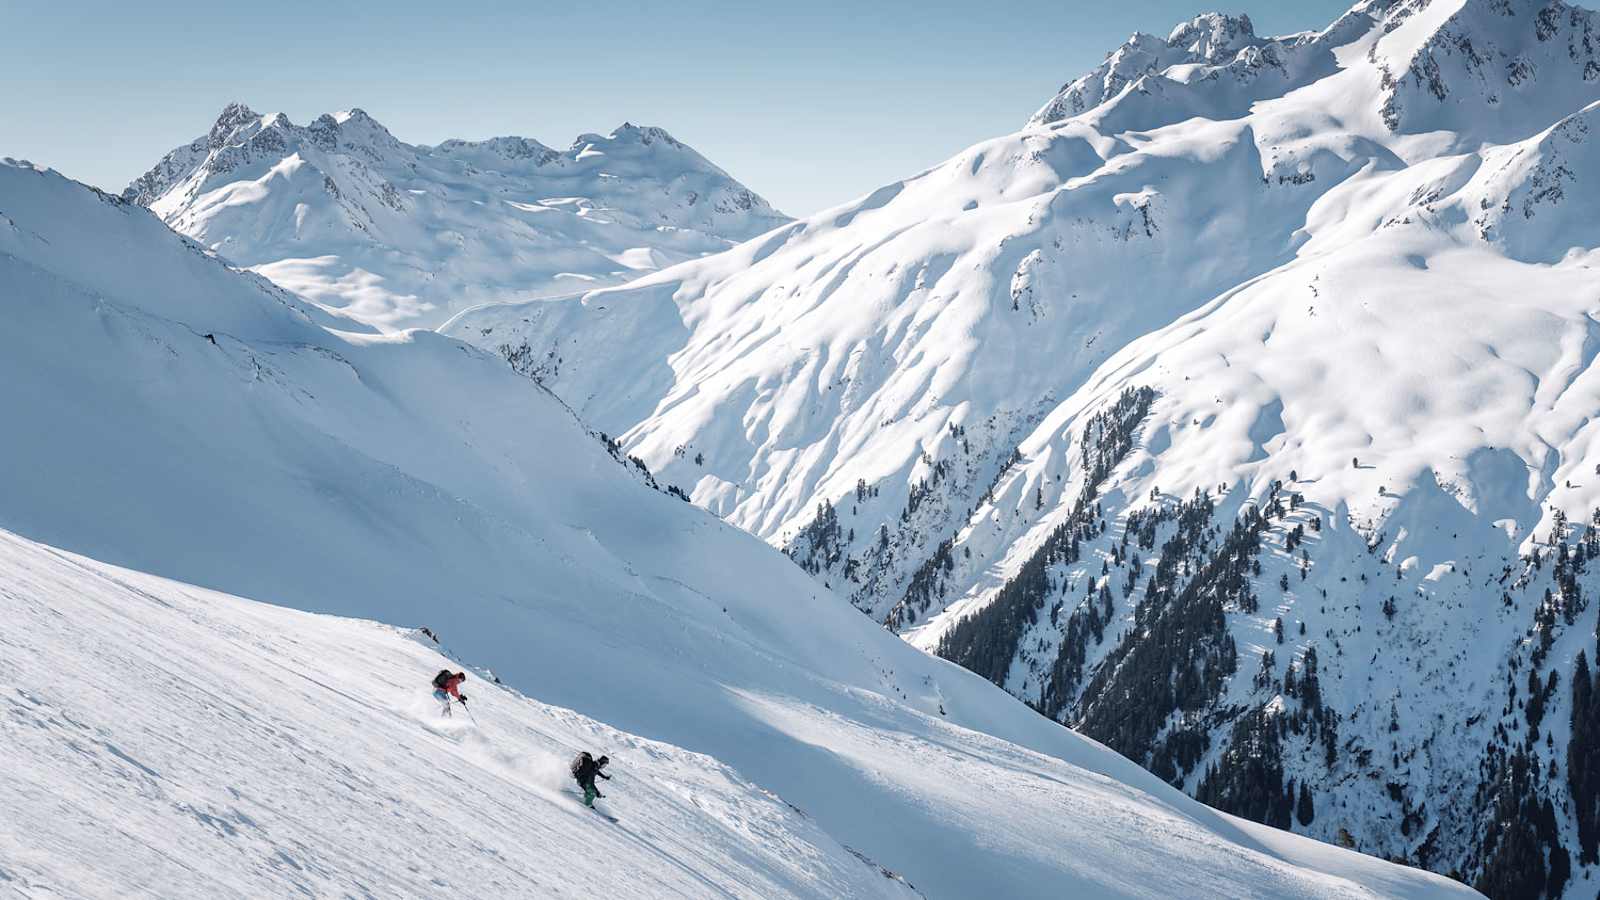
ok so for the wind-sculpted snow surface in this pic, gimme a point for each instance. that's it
(1354, 268)
(342, 212)
(192, 422)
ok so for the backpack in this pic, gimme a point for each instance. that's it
(579, 764)
(443, 678)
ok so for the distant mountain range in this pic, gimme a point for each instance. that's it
(345, 214)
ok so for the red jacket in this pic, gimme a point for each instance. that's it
(452, 683)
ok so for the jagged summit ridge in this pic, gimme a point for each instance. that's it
(345, 213)
(1484, 70)
(241, 136)
(1214, 37)
(1211, 39)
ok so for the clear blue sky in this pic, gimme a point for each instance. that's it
(809, 102)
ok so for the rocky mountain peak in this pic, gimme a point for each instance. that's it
(233, 117)
(644, 134)
(1209, 39)
(1484, 70)
(1214, 37)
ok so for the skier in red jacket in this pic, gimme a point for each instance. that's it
(445, 686)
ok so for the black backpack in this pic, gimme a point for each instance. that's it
(580, 764)
(441, 679)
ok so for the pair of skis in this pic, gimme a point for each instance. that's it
(604, 815)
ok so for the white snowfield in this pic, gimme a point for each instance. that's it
(343, 213)
(173, 416)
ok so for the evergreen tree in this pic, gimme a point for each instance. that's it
(1248, 779)
(1583, 762)
(987, 641)
(1303, 810)
(1521, 828)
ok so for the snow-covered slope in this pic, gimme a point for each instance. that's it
(402, 235)
(1367, 242)
(181, 419)
(172, 741)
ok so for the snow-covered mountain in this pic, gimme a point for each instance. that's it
(1248, 359)
(401, 235)
(174, 418)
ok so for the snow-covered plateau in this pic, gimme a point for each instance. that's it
(1238, 412)
(180, 435)
(343, 213)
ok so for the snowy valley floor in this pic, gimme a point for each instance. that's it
(166, 740)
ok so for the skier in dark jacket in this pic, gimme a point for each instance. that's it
(584, 769)
(446, 684)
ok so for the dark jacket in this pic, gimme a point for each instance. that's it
(584, 768)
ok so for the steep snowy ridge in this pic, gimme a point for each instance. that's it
(1486, 70)
(1414, 562)
(843, 349)
(197, 424)
(1518, 199)
(1352, 267)
(1204, 44)
(344, 213)
(785, 372)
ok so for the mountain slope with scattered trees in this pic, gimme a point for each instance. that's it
(1353, 270)
(196, 435)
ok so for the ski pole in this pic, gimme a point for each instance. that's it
(469, 712)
